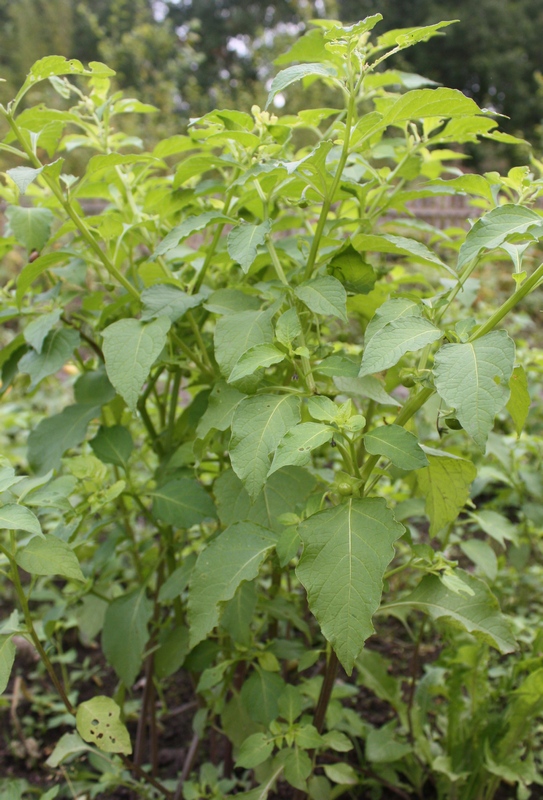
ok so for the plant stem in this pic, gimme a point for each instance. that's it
(326, 691)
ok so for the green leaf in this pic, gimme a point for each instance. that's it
(31, 226)
(178, 580)
(19, 518)
(234, 556)
(93, 388)
(393, 309)
(478, 613)
(130, 350)
(182, 503)
(482, 555)
(337, 741)
(258, 357)
(23, 176)
(125, 635)
(36, 331)
(58, 65)
(237, 333)
(497, 526)
(346, 552)
(172, 652)
(423, 103)
(407, 37)
(49, 556)
(7, 657)
(296, 73)
(54, 435)
(353, 271)
(69, 744)
(239, 612)
(101, 163)
(343, 774)
(519, 401)
(254, 750)
(396, 444)
(285, 491)
(288, 327)
(290, 704)
(399, 245)
(296, 445)
(33, 270)
(368, 386)
(298, 768)
(162, 300)
(113, 445)
(492, 229)
(223, 401)
(382, 745)
(394, 341)
(445, 483)
(258, 425)
(324, 295)
(260, 695)
(56, 350)
(473, 378)
(187, 228)
(98, 721)
(244, 240)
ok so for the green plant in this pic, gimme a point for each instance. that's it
(225, 411)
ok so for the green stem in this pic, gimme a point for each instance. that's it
(351, 113)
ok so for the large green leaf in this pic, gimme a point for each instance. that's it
(296, 73)
(182, 503)
(36, 331)
(260, 695)
(234, 556)
(244, 240)
(424, 103)
(296, 445)
(286, 491)
(478, 612)
(258, 425)
(125, 635)
(493, 228)
(397, 444)
(49, 556)
(391, 310)
(346, 552)
(14, 517)
(56, 350)
(445, 483)
(324, 295)
(473, 378)
(7, 657)
(99, 721)
(30, 226)
(395, 340)
(398, 245)
(130, 350)
(49, 66)
(54, 435)
(235, 334)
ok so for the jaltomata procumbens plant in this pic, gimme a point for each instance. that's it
(242, 365)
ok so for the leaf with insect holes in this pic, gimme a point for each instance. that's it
(98, 721)
(346, 552)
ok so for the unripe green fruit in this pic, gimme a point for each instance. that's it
(453, 424)
(345, 489)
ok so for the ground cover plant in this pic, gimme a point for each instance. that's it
(252, 407)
